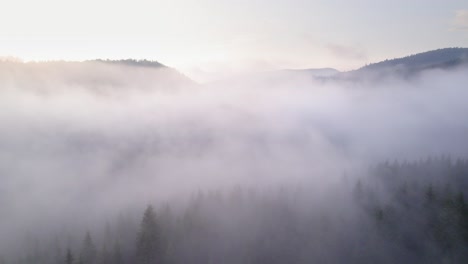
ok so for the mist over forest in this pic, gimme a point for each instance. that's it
(132, 162)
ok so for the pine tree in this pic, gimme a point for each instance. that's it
(69, 259)
(148, 249)
(104, 256)
(117, 254)
(88, 251)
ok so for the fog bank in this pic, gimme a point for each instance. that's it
(81, 142)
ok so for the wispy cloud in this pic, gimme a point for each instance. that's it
(347, 52)
(460, 21)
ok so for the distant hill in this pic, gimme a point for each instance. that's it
(98, 76)
(405, 67)
(282, 77)
(319, 72)
(441, 58)
(133, 62)
(409, 66)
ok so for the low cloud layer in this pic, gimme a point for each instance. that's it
(87, 140)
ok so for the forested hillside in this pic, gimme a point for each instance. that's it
(442, 58)
(401, 212)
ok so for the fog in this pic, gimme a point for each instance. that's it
(81, 143)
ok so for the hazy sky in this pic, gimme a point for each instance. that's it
(206, 38)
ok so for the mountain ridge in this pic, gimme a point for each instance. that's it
(444, 57)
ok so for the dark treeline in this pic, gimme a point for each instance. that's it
(440, 57)
(402, 212)
(420, 207)
(133, 62)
